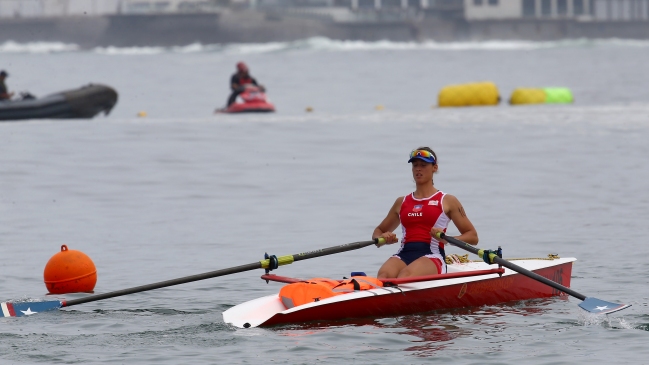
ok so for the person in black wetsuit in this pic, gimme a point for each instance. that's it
(239, 81)
(4, 93)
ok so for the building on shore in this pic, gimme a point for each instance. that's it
(583, 10)
(557, 19)
(180, 22)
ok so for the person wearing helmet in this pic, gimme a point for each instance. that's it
(239, 81)
(4, 94)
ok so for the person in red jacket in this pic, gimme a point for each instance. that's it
(239, 80)
(422, 214)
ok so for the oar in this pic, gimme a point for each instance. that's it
(590, 304)
(20, 309)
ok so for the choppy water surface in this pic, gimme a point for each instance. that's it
(184, 192)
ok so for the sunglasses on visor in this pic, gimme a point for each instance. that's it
(426, 155)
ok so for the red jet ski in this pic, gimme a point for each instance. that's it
(251, 100)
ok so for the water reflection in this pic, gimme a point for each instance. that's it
(435, 331)
(432, 332)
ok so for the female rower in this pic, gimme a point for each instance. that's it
(422, 214)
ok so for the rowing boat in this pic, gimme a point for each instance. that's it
(472, 284)
(464, 285)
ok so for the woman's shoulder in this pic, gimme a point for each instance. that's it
(449, 197)
(398, 202)
(450, 201)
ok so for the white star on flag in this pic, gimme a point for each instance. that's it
(601, 308)
(28, 312)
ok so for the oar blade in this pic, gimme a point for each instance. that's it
(21, 309)
(598, 306)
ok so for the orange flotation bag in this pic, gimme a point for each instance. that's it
(314, 290)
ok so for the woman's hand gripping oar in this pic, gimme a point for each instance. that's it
(20, 309)
(590, 304)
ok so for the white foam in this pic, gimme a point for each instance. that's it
(37, 47)
(625, 324)
(326, 44)
(129, 50)
(589, 319)
(322, 44)
(190, 48)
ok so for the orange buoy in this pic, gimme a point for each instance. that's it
(70, 271)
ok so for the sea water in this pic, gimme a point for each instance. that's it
(184, 191)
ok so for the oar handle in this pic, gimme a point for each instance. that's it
(495, 259)
(282, 260)
(289, 259)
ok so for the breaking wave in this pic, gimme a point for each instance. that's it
(321, 44)
(326, 44)
(37, 47)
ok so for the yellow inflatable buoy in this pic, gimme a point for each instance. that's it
(548, 95)
(308, 109)
(379, 107)
(523, 96)
(141, 114)
(474, 94)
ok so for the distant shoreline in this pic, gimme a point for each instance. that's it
(251, 26)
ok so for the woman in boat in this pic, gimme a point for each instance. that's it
(422, 214)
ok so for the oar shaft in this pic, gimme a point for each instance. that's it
(333, 250)
(465, 246)
(163, 284)
(283, 260)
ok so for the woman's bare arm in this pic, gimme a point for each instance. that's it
(389, 223)
(454, 210)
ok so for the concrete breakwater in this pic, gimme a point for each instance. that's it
(287, 25)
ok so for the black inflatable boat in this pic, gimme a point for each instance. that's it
(84, 102)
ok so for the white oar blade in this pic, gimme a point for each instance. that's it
(598, 306)
(21, 309)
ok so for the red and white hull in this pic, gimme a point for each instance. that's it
(250, 107)
(251, 100)
(411, 298)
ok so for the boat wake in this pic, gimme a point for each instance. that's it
(607, 321)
